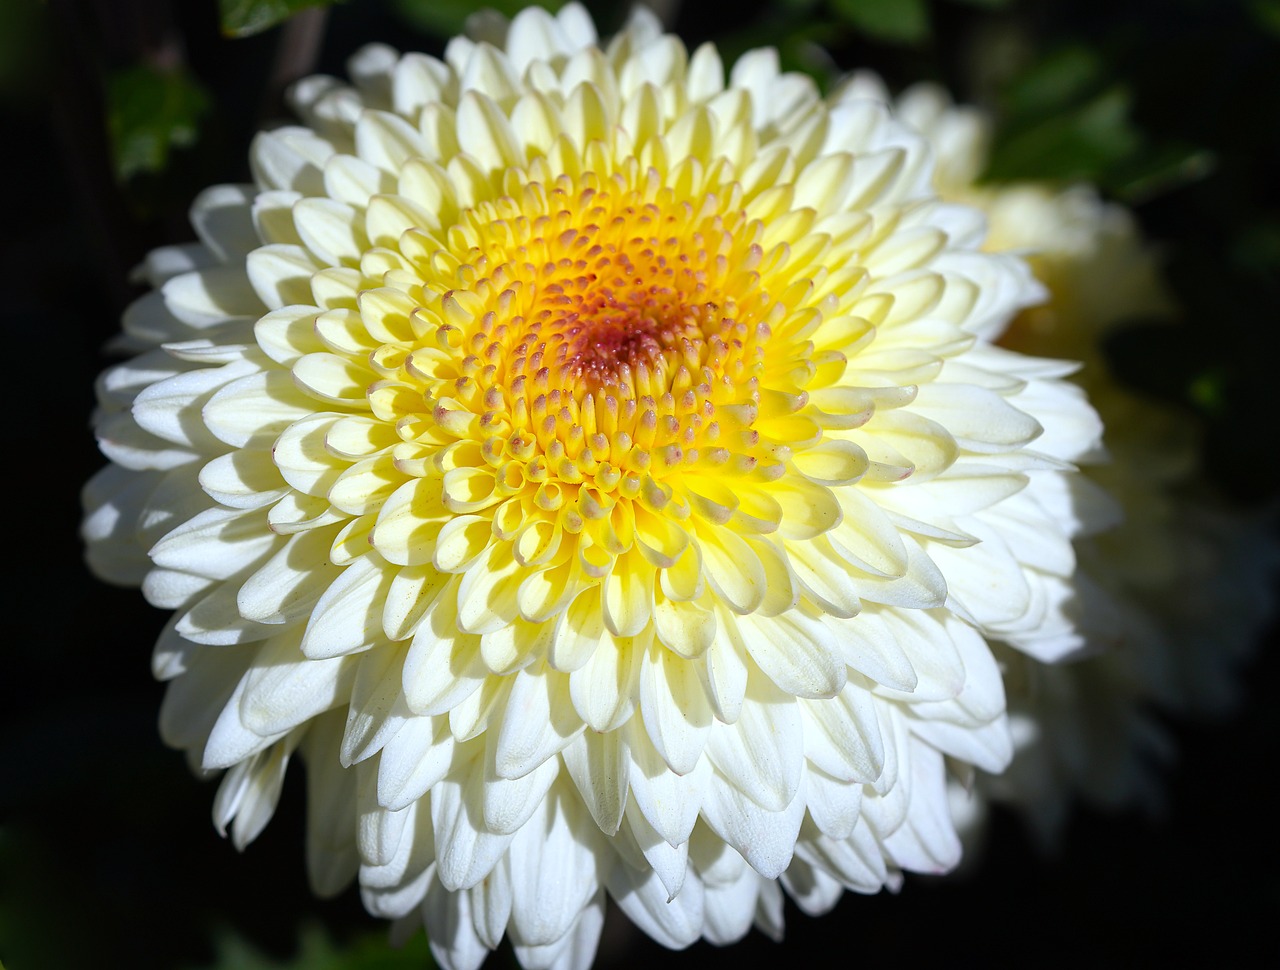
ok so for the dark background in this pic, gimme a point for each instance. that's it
(107, 855)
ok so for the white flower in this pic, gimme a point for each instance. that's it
(1171, 588)
(603, 476)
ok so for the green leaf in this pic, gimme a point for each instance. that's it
(448, 17)
(1082, 143)
(1157, 172)
(241, 18)
(1054, 82)
(149, 114)
(895, 21)
(317, 951)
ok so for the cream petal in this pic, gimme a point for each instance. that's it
(280, 274)
(290, 158)
(554, 872)
(253, 410)
(828, 858)
(211, 296)
(230, 740)
(627, 596)
(485, 133)
(214, 619)
(729, 908)
(418, 80)
(927, 842)
(465, 853)
(761, 754)
(641, 895)
(685, 628)
(332, 859)
(535, 35)
(597, 764)
(347, 617)
(222, 217)
(604, 690)
(508, 803)
(842, 736)
(217, 543)
(443, 666)
(766, 839)
(670, 802)
(674, 708)
(371, 68)
(376, 712)
(799, 653)
(725, 669)
(733, 569)
(285, 689)
(490, 72)
(194, 703)
(815, 892)
(833, 804)
(577, 949)
(451, 932)
(537, 724)
(285, 588)
(172, 409)
(330, 230)
(413, 761)
(491, 904)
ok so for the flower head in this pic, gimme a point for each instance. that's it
(600, 469)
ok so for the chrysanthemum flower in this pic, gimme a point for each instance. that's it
(601, 472)
(1171, 588)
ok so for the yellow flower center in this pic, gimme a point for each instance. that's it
(586, 343)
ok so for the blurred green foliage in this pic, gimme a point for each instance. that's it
(150, 113)
(1066, 117)
(242, 18)
(1266, 14)
(893, 21)
(450, 16)
(317, 950)
(22, 46)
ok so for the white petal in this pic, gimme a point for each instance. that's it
(348, 617)
(800, 654)
(555, 871)
(283, 689)
(674, 708)
(675, 923)
(217, 543)
(465, 852)
(815, 892)
(765, 839)
(761, 754)
(450, 930)
(598, 765)
(537, 723)
(670, 802)
(222, 217)
(414, 760)
(287, 586)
